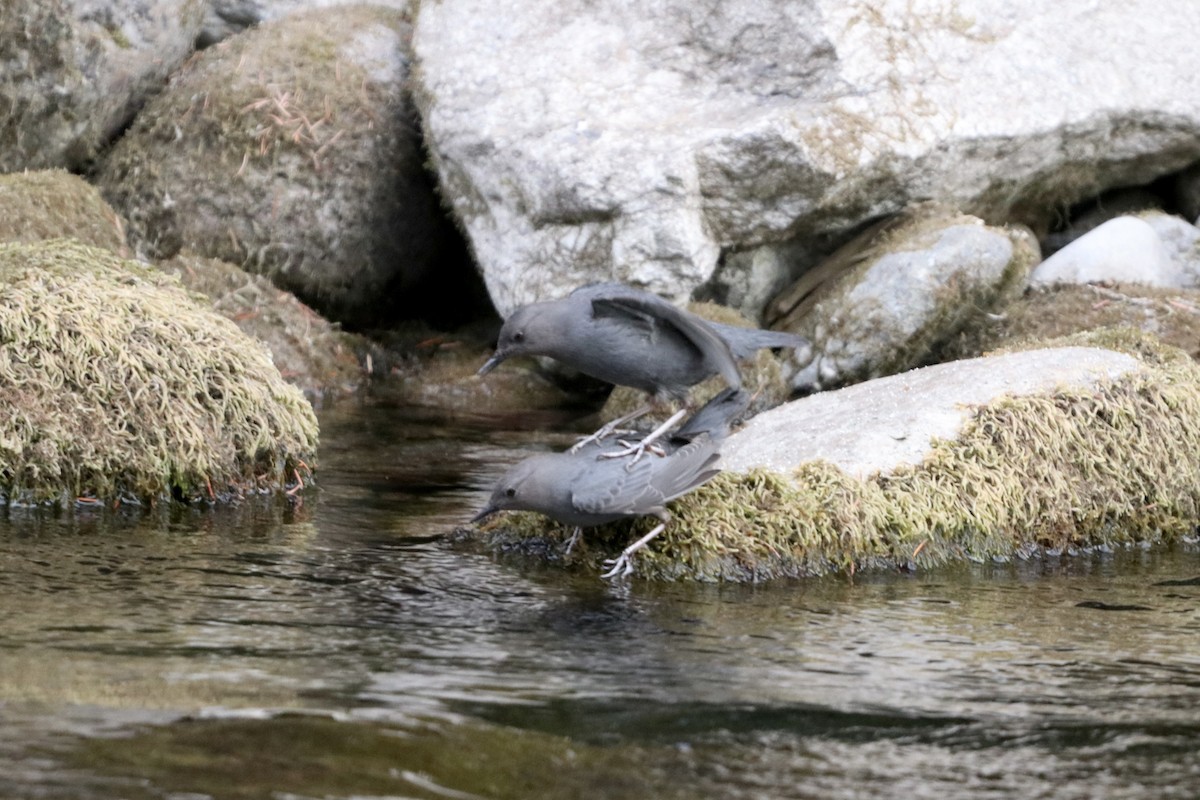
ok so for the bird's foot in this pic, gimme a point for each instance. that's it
(610, 428)
(621, 565)
(647, 443)
(603, 433)
(636, 450)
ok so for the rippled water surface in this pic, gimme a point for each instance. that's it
(340, 646)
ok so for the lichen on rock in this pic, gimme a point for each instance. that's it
(117, 385)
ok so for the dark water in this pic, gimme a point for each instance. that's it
(168, 655)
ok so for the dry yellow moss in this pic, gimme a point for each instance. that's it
(116, 384)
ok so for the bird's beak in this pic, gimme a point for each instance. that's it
(491, 363)
(484, 514)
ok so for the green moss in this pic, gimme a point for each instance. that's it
(309, 351)
(1111, 465)
(116, 384)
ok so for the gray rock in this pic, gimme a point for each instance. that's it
(883, 301)
(748, 280)
(1110, 205)
(1122, 250)
(880, 425)
(599, 142)
(292, 151)
(72, 74)
(1181, 240)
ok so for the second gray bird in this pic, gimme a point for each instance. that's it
(630, 337)
(584, 489)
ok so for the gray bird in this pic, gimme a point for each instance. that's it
(585, 489)
(630, 337)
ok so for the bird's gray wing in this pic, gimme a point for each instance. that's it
(649, 485)
(616, 490)
(651, 313)
(688, 467)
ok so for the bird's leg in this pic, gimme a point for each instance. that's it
(621, 565)
(575, 534)
(612, 426)
(638, 450)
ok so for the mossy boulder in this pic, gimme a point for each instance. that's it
(50, 204)
(1090, 441)
(117, 385)
(309, 351)
(1044, 313)
(292, 151)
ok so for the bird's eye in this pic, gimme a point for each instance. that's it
(510, 492)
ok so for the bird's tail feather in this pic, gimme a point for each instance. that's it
(743, 342)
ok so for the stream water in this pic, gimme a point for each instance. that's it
(339, 645)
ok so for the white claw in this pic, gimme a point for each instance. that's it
(611, 427)
(620, 564)
(647, 443)
(598, 435)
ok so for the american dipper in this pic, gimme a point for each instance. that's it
(630, 337)
(583, 489)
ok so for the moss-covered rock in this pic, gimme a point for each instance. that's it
(116, 384)
(1107, 461)
(1170, 315)
(292, 151)
(50, 204)
(309, 351)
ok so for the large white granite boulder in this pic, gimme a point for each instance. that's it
(586, 139)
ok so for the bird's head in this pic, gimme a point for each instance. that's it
(524, 333)
(518, 490)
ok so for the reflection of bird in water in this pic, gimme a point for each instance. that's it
(630, 337)
(585, 489)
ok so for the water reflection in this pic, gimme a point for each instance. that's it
(1057, 678)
